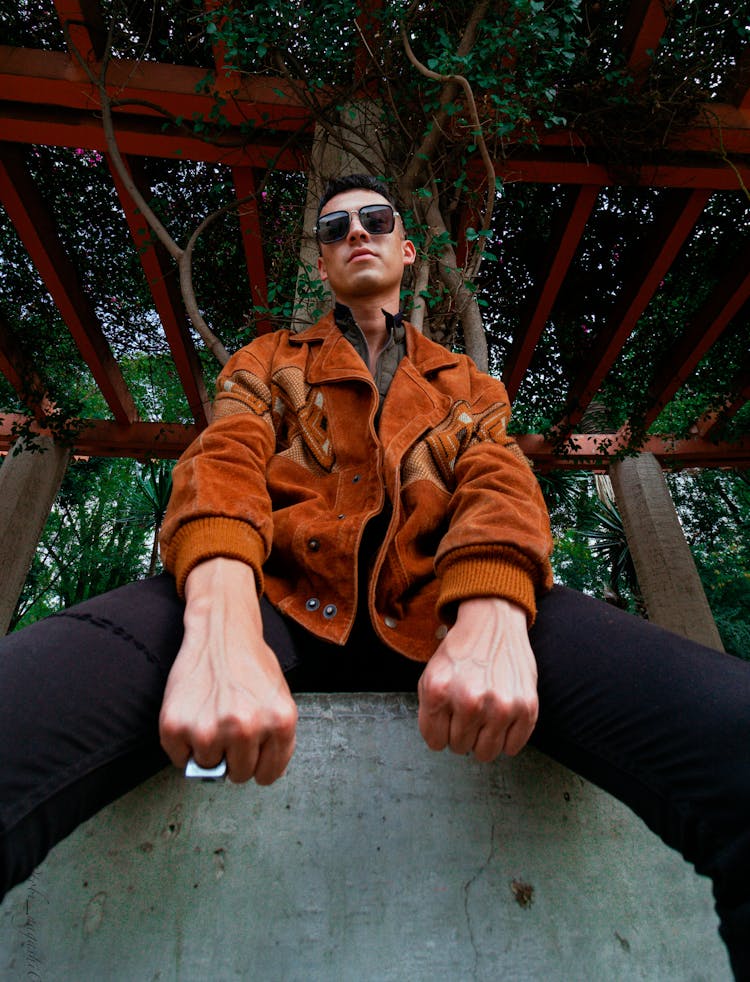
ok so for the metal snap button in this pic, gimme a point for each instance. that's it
(341, 516)
(356, 478)
(312, 604)
(441, 632)
(390, 622)
(313, 545)
(330, 610)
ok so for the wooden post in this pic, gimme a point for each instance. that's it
(668, 578)
(29, 483)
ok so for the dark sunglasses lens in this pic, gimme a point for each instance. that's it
(333, 227)
(377, 219)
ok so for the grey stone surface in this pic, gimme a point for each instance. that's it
(373, 859)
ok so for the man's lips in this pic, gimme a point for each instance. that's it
(361, 254)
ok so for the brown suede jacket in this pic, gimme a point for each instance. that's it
(291, 469)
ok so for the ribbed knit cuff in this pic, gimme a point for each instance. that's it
(493, 572)
(207, 538)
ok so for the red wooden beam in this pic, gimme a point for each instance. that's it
(252, 243)
(53, 78)
(84, 28)
(716, 127)
(29, 76)
(645, 24)
(712, 421)
(542, 168)
(104, 438)
(136, 137)
(227, 78)
(35, 227)
(667, 238)
(566, 238)
(705, 327)
(596, 452)
(244, 186)
(161, 276)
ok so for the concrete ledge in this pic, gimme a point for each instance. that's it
(373, 859)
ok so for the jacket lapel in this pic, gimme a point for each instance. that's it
(332, 358)
(413, 405)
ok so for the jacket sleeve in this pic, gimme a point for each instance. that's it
(220, 504)
(498, 541)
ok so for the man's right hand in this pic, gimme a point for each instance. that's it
(226, 695)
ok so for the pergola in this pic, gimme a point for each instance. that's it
(49, 96)
(46, 97)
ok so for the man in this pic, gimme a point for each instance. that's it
(226, 695)
(356, 517)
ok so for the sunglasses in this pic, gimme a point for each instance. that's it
(374, 219)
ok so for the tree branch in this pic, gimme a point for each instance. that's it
(463, 82)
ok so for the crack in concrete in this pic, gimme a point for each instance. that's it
(467, 888)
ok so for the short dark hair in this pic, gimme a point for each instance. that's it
(355, 182)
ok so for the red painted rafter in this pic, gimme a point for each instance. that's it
(54, 78)
(543, 169)
(252, 242)
(659, 253)
(136, 137)
(161, 275)
(594, 451)
(717, 126)
(142, 137)
(49, 78)
(644, 26)
(704, 329)
(226, 77)
(35, 227)
(712, 422)
(103, 438)
(84, 28)
(566, 238)
(245, 191)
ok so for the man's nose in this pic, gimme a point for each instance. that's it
(356, 228)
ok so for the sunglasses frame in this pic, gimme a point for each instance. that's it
(367, 209)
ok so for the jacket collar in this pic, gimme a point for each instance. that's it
(336, 359)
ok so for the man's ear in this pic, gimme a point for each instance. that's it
(322, 268)
(409, 252)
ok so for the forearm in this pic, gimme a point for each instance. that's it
(478, 692)
(226, 695)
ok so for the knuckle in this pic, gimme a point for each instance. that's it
(283, 721)
(435, 690)
(202, 739)
(473, 701)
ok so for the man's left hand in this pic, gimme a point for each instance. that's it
(478, 692)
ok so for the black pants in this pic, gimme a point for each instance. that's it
(659, 722)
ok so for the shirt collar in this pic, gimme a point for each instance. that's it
(394, 323)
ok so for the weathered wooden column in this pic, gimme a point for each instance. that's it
(668, 578)
(28, 485)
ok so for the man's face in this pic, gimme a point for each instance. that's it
(363, 265)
